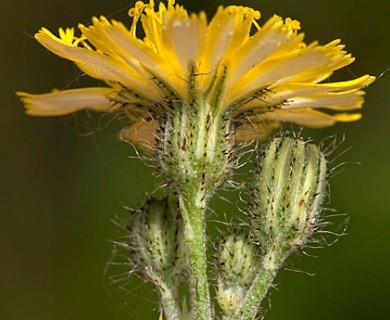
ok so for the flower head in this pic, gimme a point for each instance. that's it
(264, 75)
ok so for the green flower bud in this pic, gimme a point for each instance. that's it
(238, 263)
(289, 189)
(156, 241)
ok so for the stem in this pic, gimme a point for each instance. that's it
(262, 282)
(194, 234)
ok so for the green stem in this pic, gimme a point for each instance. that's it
(194, 234)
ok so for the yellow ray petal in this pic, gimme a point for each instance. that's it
(303, 65)
(183, 36)
(349, 100)
(226, 32)
(309, 118)
(272, 39)
(59, 103)
(115, 38)
(284, 94)
(96, 64)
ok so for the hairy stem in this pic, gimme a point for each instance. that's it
(194, 235)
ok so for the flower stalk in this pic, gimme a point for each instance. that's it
(195, 240)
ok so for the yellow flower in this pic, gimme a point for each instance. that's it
(264, 75)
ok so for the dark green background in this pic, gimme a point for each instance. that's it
(63, 180)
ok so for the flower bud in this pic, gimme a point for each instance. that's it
(156, 241)
(289, 189)
(238, 263)
(196, 149)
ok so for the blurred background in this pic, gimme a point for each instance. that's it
(63, 180)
